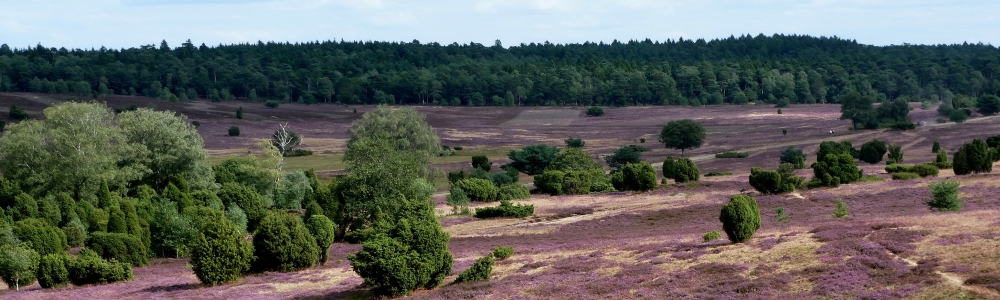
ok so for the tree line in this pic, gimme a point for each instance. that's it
(778, 69)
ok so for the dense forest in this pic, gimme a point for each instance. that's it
(777, 69)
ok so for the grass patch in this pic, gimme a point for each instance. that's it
(871, 178)
(732, 154)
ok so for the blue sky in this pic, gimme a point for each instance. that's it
(131, 23)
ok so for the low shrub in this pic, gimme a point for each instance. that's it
(505, 210)
(298, 152)
(925, 170)
(234, 131)
(478, 189)
(595, 111)
(458, 201)
(680, 170)
(122, 247)
(502, 252)
(637, 177)
(479, 271)
(711, 236)
(905, 176)
(282, 243)
(458, 148)
(871, 178)
(220, 253)
(715, 173)
(274, 104)
(481, 162)
(732, 154)
(945, 195)
(90, 268)
(740, 218)
(52, 271)
(513, 191)
(841, 209)
(897, 168)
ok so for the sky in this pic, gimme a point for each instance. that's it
(133, 23)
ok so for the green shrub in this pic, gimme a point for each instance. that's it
(478, 189)
(282, 243)
(513, 191)
(122, 247)
(18, 265)
(841, 209)
(945, 195)
(638, 177)
(502, 252)
(575, 142)
(505, 210)
(532, 159)
(52, 271)
(740, 218)
(873, 151)
(925, 170)
(871, 178)
(716, 173)
(481, 162)
(595, 111)
(220, 254)
(550, 182)
(90, 268)
(905, 176)
(234, 131)
(458, 148)
(458, 201)
(897, 168)
(941, 160)
(75, 233)
(973, 158)
(625, 155)
(836, 169)
(680, 170)
(775, 182)
(16, 113)
(274, 104)
(732, 154)
(895, 154)
(454, 177)
(936, 147)
(479, 271)
(711, 236)
(322, 229)
(247, 199)
(793, 156)
(41, 236)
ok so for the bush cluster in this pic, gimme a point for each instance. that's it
(90, 268)
(479, 271)
(122, 247)
(506, 210)
(905, 176)
(322, 229)
(793, 156)
(478, 189)
(18, 265)
(635, 177)
(52, 271)
(973, 158)
(782, 180)
(835, 169)
(680, 170)
(595, 111)
(732, 154)
(282, 243)
(41, 236)
(873, 151)
(740, 218)
(922, 170)
(718, 173)
(513, 191)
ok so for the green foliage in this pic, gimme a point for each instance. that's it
(286, 141)
(18, 114)
(248, 171)
(409, 253)
(937, 147)
(118, 246)
(75, 233)
(740, 218)
(945, 195)
(237, 217)
(829, 147)
(234, 131)
(220, 254)
(239, 113)
(941, 160)
(293, 190)
(973, 158)
(732, 154)
(52, 271)
(459, 201)
(573, 159)
(481, 162)
(405, 126)
(90, 268)
(630, 154)
(570, 142)
(513, 191)
(322, 229)
(905, 176)
(711, 236)
(41, 236)
(25, 207)
(532, 159)
(247, 199)
(638, 177)
(170, 232)
(873, 151)
(506, 210)
(784, 131)
(172, 148)
(779, 111)
(282, 243)
(988, 104)
(781, 216)
(682, 134)
(680, 170)
(18, 265)
(272, 104)
(595, 111)
(716, 173)
(895, 154)
(841, 209)
(772, 182)
(478, 189)
(959, 115)
(502, 252)
(835, 169)
(479, 271)
(925, 170)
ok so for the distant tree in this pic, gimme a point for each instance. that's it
(285, 140)
(570, 142)
(973, 157)
(958, 115)
(625, 155)
(18, 114)
(404, 125)
(937, 147)
(481, 162)
(682, 134)
(532, 159)
(252, 96)
(239, 113)
(859, 109)
(988, 104)
(595, 111)
(873, 151)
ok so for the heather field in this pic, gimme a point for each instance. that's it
(635, 245)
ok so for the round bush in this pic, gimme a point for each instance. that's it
(638, 177)
(925, 170)
(247, 199)
(479, 271)
(502, 252)
(75, 234)
(220, 254)
(52, 271)
(234, 131)
(711, 236)
(740, 218)
(550, 182)
(322, 229)
(513, 191)
(478, 189)
(122, 247)
(765, 181)
(44, 238)
(90, 268)
(282, 243)
(945, 195)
